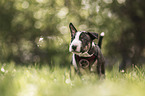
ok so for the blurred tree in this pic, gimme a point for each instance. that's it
(131, 42)
(37, 30)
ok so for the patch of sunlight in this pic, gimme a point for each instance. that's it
(83, 27)
(41, 39)
(97, 8)
(38, 24)
(51, 37)
(40, 1)
(109, 14)
(85, 4)
(30, 90)
(18, 19)
(60, 2)
(40, 42)
(121, 1)
(40, 14)
(84, 13)
(63, 29)
(25, 4)
(17, 5)
(108, 1)
(26, 45)
(60, 41)
(99, 20)
(62, 12)
(37, 15)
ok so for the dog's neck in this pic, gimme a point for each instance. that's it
(89, 53)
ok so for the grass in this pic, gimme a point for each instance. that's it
(34, 81)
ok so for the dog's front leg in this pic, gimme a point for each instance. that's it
(75, 67)
(74, 71)
(99, 70)
(103, 68)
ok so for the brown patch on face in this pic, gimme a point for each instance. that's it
(86, 42)
(86, 48)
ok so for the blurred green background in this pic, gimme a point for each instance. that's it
(36, 31)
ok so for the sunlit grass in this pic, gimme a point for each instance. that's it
(46, 81)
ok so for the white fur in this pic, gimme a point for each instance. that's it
(102, 34)
(76, 42)
(93, 44)
(74, 61)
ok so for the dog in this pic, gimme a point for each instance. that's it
(87, 56)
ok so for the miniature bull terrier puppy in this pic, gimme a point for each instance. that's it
(87, 55)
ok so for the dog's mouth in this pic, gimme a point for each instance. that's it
(85, 54)
(78, 52)
(75, 52)
(81, 52)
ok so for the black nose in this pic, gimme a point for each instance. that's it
(74, 47)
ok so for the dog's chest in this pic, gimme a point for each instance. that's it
(86, 63)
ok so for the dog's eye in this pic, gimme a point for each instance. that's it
(83, 39)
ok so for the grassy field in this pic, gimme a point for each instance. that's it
(35, 81)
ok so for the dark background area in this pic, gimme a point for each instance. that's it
(37, 32)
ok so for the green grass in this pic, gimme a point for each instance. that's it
(34, 81)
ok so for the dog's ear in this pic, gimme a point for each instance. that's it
(72, 29)
(93, 35)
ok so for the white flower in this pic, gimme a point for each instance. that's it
(2, 69)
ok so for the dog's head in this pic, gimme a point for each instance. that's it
(81, 41)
